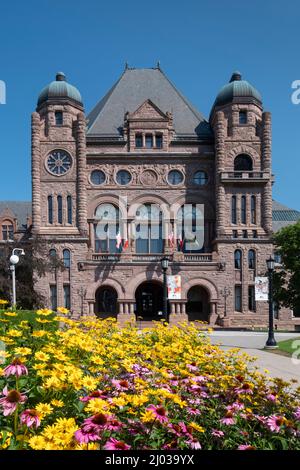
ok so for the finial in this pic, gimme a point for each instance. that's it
(235, 76)
(158, 64)
(60, 77)
(126, 65)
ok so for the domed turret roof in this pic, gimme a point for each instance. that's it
(60, 89)
(236, 90)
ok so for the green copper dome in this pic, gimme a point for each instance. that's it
(60, 89)
(236, 90)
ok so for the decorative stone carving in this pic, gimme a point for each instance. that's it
(148, 178)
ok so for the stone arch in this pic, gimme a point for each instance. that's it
(134, 283)
(246, 149)
(208, 285)
(107, 199)
(149, 198)
(192, 198)
(109, 282)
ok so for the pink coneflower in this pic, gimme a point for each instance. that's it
(16, 368)
(179, 429)
(193, 411)
(245, 388)
(11, 400)
(193, 444)
(95, 423)
(31, 418)
(235, 406)
(246, 447)
(121, 384)
(192, 367)
(114, 425)
(228, 419)
(217, 433)
(297, 413)
(159, 412)
(114, 444)
(274, 423)
(271, 397)
(84, 437)
(95, 394)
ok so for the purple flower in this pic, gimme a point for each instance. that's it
(246, 447)
(297, 413)
(16, 368)
(217, 433)
(193, 444)
(274, 423)
(114, 444)
(31, 418)
(11, 400)
(83, 437)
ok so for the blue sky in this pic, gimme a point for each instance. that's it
(198, 42)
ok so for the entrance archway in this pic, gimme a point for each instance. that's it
(149, 300)
(106, 302)
(197, 306)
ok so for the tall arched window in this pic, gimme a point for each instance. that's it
(107, 229)
(69, 209)
(52, 253)
(190, 228)
(238, 259)
(148, 229)
(233, 210)
(243, 163)
(50, 209)
(243, 209)
(253, 210)
(67, 258)
(251, 259)
(59, 210)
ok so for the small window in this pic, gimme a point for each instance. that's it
(52, 253)
(67, 297)
(69, 209)
(123, 177)
(245, 233)
(253, 210)
(50, 210)
(159, 141)
(277, 258)
(53, 297)
(233, 210)
(234, 234)
(238, 298)
(254, 233)
(149, 141)
(59, 210)
(243, 117)
(251, 299)
(243, 209)
(97, 177)
(243, 162)
(58, 118)
(238, 259)
(7, 232)
(251, 259)
(175, 177)
(139, 140)
(67, 258)
(200, 178)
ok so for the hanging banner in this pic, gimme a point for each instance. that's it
(174, 287)
(261, 288)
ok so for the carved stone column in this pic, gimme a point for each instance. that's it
(81, 174)
(36, 174)
(220, 133)
(266, 166)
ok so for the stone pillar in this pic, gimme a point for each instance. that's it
(266, 166)
(35, 169)
(121, 307)
(220, 133)
(91, 307)
(92, 236)
(81, 175)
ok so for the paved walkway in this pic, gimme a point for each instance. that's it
(252, 344)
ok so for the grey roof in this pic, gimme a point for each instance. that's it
(235, 89)
(283, 216)
(59, 89)
(20, 209)
(133, 88)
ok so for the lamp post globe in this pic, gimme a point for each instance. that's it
(14, 259)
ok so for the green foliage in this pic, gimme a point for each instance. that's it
(287, 278)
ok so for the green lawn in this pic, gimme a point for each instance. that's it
(286, 346)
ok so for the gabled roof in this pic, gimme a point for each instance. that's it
(283, 216)
(20, 210)
(133, 88)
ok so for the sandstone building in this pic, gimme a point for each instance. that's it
(142, 150)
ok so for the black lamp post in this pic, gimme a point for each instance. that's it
(164, 266)
(271, 342)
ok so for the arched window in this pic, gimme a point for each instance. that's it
(59, 210)
(238, 259)
(243, 163)
(243, 209)
(50, 209)
(107, 229)
(251, 259)
(148, 229)
(233, 210)
(58, 118)
(52, 253)
(67, 258)
(190, 228)
(253, 210)
(69, 209)
(7, 230)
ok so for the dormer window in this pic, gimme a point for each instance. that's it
(159, 141)
(139, 141)
(149, 141)
(243, 117)
(7, 231)
(58, 118)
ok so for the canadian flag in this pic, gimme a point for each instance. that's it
(180, 242)
(126, 244)
(118, 239)
(171, 239)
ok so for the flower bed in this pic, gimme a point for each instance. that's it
(91, 385)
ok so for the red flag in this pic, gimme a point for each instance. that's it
(171, 239)
(118, 240)
(126, 244)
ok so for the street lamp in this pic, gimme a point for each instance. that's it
(14, 259)
(164, 266)
(225, 293)
(271, 342)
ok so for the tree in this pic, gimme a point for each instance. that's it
(287, 277)
(35, 263)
